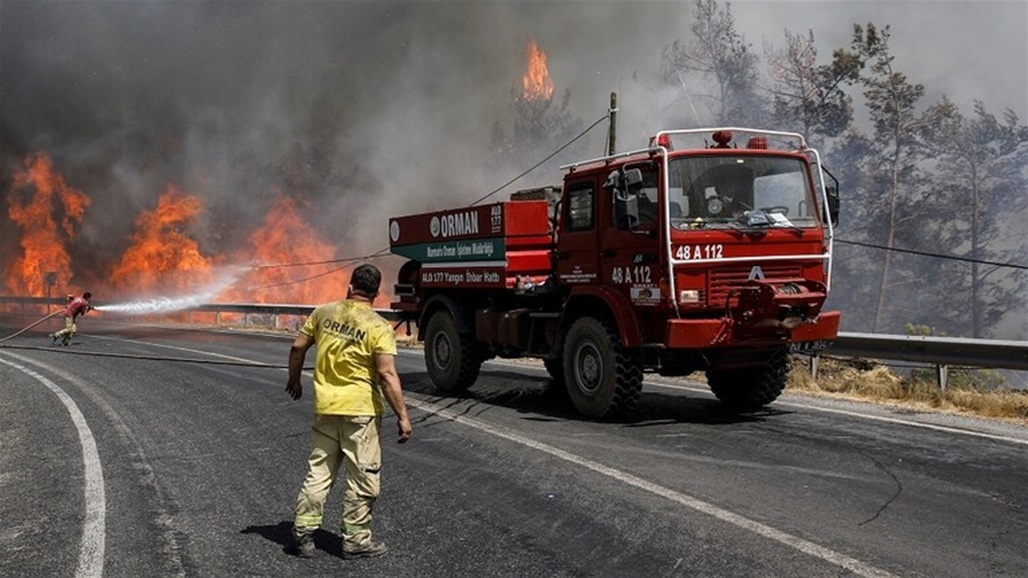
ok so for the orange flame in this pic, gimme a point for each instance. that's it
(286, 238)
(162, 256)
(536, 84)
(42, 243)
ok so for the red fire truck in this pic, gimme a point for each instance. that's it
(697, 253)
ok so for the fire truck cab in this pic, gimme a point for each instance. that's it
(689, 255)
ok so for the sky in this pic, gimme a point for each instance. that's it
(362, 110)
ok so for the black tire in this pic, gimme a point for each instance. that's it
(602, 378)
(751, 388)
(555, 367)
(453, 360)
(555, 386)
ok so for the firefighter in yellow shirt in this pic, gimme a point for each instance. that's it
(354, 368)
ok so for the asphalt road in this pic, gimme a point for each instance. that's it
(119, 459)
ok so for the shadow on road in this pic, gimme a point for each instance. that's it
(539, 399)
(282, 534)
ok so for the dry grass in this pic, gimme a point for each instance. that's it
(868, 381)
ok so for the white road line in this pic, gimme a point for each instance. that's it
(881, 418)
(805, 546)
(947, 429)
(91, 549)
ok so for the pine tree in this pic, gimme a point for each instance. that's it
(721, 62)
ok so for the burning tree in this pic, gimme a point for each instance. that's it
(539, 123)
(38, 199)
(286, 252)
(162, 255)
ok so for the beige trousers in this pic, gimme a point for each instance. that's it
(69, 329)
(336, 439)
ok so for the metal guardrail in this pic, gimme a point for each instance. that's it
(996, 354)
(942, 352)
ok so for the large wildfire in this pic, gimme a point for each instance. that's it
(283, 261)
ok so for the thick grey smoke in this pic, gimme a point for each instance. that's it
(361, 110)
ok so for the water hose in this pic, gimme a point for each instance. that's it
(142, 357)
(13, 335)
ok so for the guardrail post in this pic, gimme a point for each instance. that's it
(814, 366)
(942, 372)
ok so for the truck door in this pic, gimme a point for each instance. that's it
(630, 243)
(577, 258)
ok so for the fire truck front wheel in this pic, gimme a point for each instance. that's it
(452, 359)
(603, 379)
(751, 388)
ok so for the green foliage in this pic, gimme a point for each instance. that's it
(915, 330)
(959, 379)
(808, 97)
(540, 126)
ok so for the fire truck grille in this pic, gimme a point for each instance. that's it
(724, 280)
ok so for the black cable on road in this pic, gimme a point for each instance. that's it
(131, 356)
(66, 351)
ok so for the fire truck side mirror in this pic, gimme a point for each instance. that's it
(833, 205)
(625, 187)
(633, 180)
(832, 193)
(629, 181)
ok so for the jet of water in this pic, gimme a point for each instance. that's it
(168, 304)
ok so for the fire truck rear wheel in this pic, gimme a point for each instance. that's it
(751, 388)
(453, 360)
(555, 367)
(555, 386)
(603, 379)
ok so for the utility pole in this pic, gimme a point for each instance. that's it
(612, 134)
(50, 278)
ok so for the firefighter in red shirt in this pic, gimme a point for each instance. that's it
(77, 306)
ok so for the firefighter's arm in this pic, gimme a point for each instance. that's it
(297, 353)
(389, 380)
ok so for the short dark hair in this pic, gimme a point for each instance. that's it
(365, 280)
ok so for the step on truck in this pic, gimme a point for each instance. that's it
(709, 250)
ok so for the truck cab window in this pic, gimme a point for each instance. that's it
(714, 191)
(580, 208)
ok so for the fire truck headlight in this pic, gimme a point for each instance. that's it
(689, 296)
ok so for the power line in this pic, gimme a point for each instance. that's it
(540, 163)
(936, 255)
(351, 260)
(306, 263)
(350, 263)
(378, 253)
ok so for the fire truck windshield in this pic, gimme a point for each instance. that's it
(714, 191)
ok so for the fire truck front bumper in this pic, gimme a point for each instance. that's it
(723, 332)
